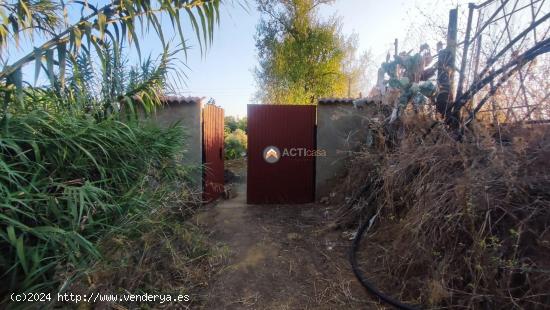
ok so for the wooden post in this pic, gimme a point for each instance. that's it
(445, 68)
(462, 75)
(476, 63)
(380, 82)
(452, 31)
(494, 112)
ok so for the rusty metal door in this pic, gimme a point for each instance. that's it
(212, 152)
(279, 168)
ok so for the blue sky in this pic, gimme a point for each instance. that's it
(225, 71)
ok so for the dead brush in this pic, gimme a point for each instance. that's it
(461, 224)
(160, 253)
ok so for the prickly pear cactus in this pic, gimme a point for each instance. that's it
(402, 72)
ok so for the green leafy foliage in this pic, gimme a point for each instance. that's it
(233, 123)
(96, 30)
(357, 67)
(235, 144)
(70, 169)
(300, 56)
(24, 16)
(65, 179)
(235, 138)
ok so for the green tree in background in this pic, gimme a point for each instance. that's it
(236, 144)
(233, 123)
(301, 57)
(235, 137)
(356, 67)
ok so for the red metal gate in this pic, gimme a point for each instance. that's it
(289, 176)
(212, 152)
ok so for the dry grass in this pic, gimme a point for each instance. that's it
(163, 253)
(461, 224)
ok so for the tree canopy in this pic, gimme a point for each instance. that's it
(301, 57)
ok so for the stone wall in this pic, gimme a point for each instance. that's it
(188, 112)
(342, 129)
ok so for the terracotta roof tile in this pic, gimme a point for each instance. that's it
(182, 100)
(336, 100)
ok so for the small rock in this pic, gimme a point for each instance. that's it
(293, 236)
(228, 192)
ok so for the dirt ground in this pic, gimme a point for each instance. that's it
(281, 256)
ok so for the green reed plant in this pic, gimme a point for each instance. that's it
(70, 169)
(65, 179)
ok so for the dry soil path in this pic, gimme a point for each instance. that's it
(281, 257)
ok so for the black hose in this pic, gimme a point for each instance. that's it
(361, 277)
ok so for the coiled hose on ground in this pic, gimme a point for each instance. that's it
(361, 276)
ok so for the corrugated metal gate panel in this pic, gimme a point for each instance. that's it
(212, 129)
(292, 178)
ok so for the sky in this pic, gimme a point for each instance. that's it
(225, 71)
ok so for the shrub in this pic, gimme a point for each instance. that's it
(65, 180)
(460, 224)
(235, 144)
(233, 123)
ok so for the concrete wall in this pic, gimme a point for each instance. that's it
(341, 130)
(187, 111)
